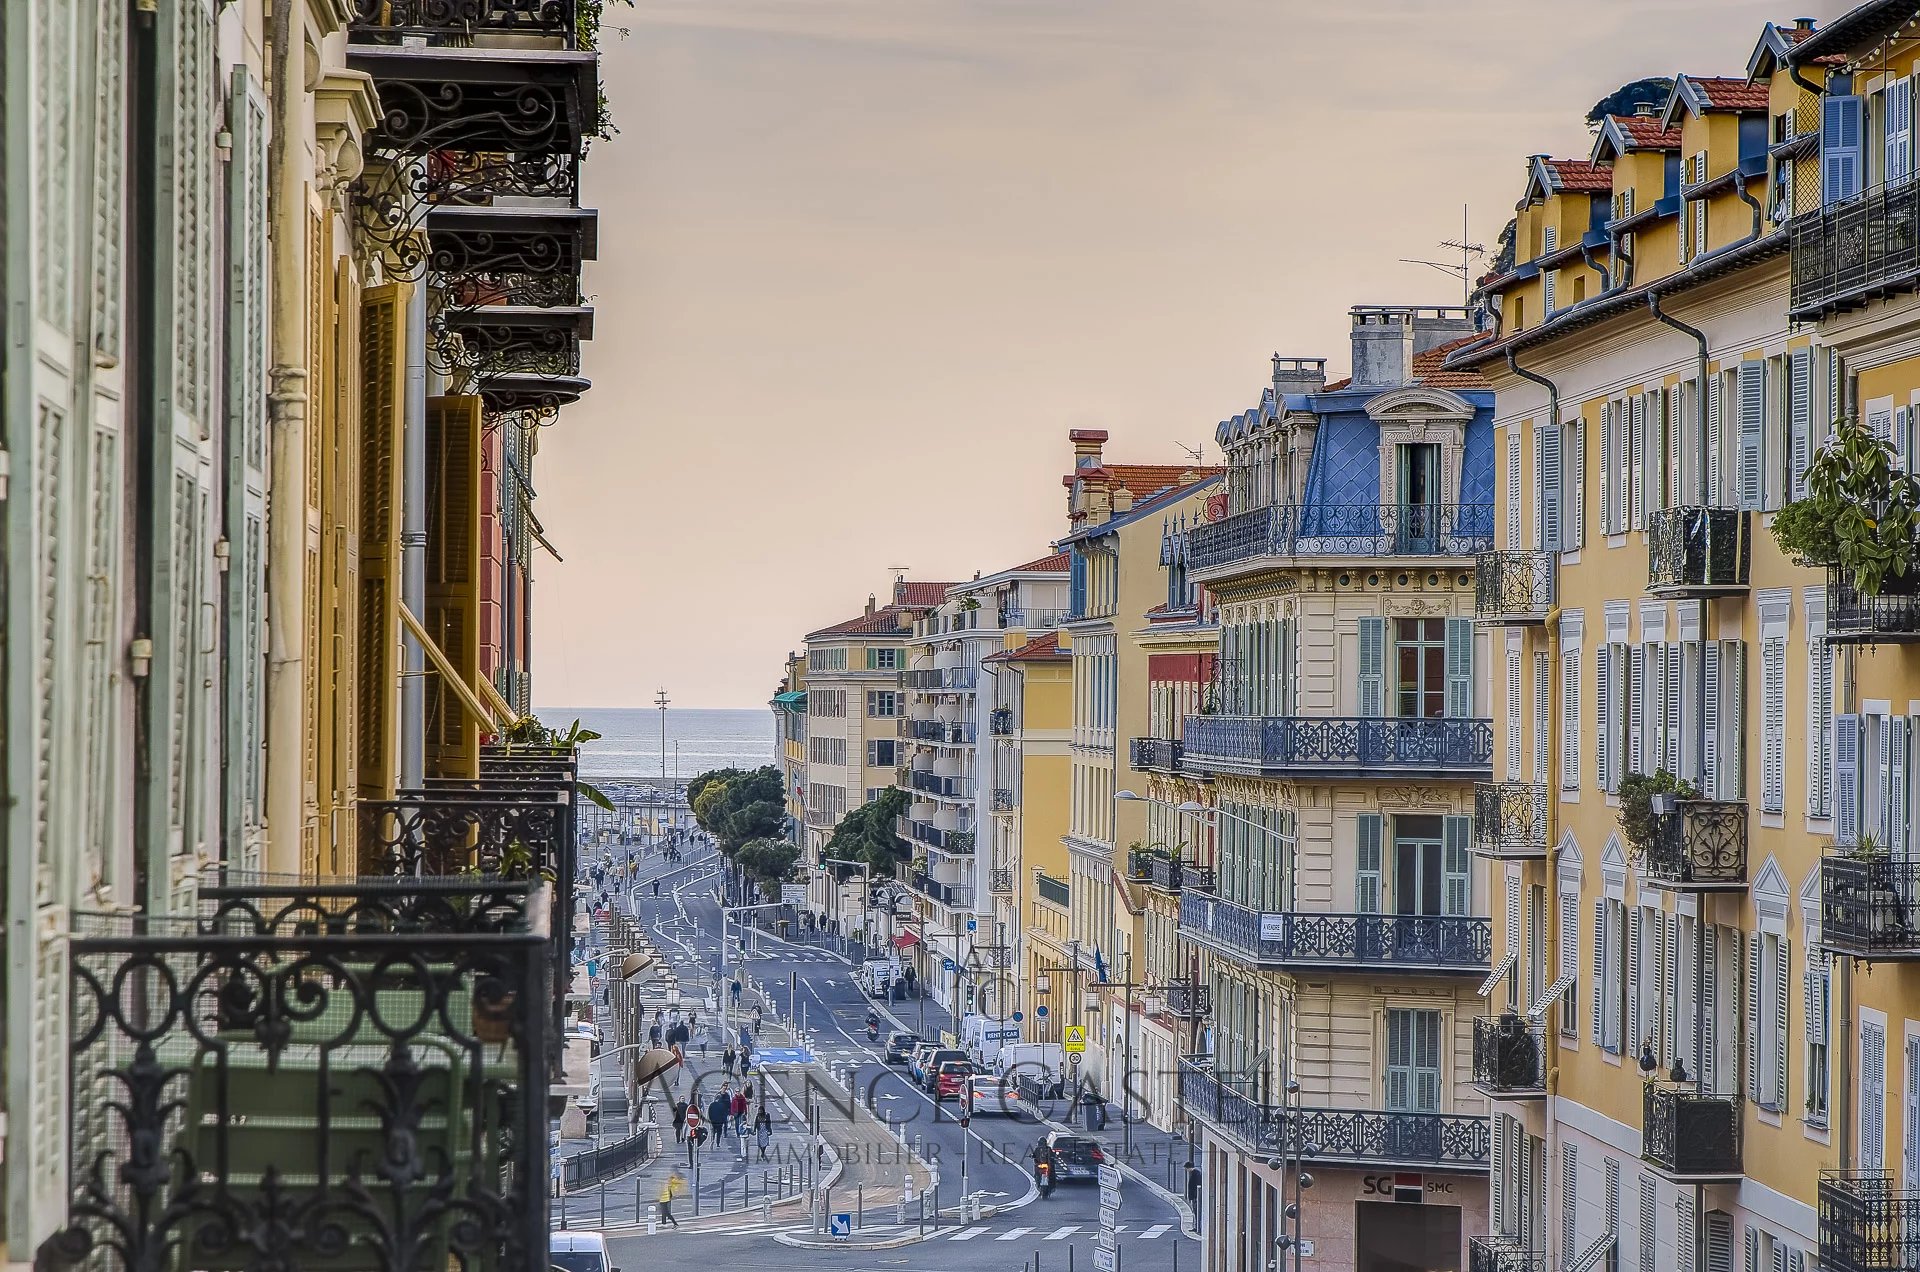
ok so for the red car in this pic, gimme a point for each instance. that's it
(951, 1080)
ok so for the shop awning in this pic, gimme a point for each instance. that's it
(793, 697)
(905, 940)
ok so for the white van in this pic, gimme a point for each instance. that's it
(984, 1037)
(579, 1252)
(1039, 1064)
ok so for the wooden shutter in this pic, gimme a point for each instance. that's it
(1502, 1180)
(383, 361)
(1513, 491)
(1542, 721)
(1670, 984)
(1910, 1118)
(1549, 243)
(1819, 717)
(1457, 865)
(1781, 994)
(1601, 978)
(1569, 1196)
(1753, 419)
(1841, 128)
(1733, 715)
(453, 578)
(1552, 496)
(1513, 714)
(1799, 419)
(1610, 420)
(1373, 656)
(1751, 1033)
(1773, 693)
(1575, 518)
(1603, 704)
(1569, 964)
(1895, 816)
(1685, 1234)
(1570, 720)
(1846, 779)
(1367, 863)
(1674, 679)
(1873, 1096)
(1637, 463)
(1710, 670)
(1459, 668)
(1648, 1236)
(1636, 938)
(1636, 708)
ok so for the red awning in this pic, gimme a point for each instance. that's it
(902, 940)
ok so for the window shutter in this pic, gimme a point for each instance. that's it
(1706, 1058)
(1699, 226)
(1663, 990)
(1910, 1119)
(1841, 126)
(1501, 1181)
(1366, 879)
(1773, 693)
(1846, 779)
(1799, 419)
(1873, 1096)
(1512, 943)
(1896, 788)
(1603, 708)
(1753, 1249)
(1630, 1042)
(1569, 1195)
(1610, 416)
(1780, 1009)
(1671, 495)
(1570, 720)
(453, 579)
(1569, 961)
(1710, 669)
(1513, 715)
(1552, 497)
(1600, 977)
(1733, 733)
(1637, 452)
(1648, 1237)
(1714, 494)
(1457, 867)
(1636, 706)
(1542, 724)
(1673, 1050)
(1373, 655)
(1751, 1032)
(1514, 490)
(1899, 131)
(1753, 419)
(1460, 668)
(1684, 1236)
(1549, 243)
(1575, 529)
(383, 409)
(1673, 694)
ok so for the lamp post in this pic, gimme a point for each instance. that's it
(866, 884)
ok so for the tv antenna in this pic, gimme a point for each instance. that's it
(1463, 269)
(1193, 453)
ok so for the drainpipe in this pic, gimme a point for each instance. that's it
(1741, 193)
(287, 416)
(1606, 279)
(1699, 406)
(413, 544)
(1553, 390)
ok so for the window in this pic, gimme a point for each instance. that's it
(875, 792)
(1413, 1061)
(1432, 870)
(826, 750)
(827, 703)
(882, 703)
(883, 659)
(1542, 724)
(883, 753)
(1609, 999)
(1818, 989)
(834, 659)
(1841, 128)
(1773, 693)
(1766, 1034)
(1570, 964)
(1420, 650)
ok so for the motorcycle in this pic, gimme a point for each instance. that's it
(873, 1031)
(1043, 1176)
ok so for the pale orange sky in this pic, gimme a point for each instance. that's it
(863, 263)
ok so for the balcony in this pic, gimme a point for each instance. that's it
(1004, 800)
(1033, 619)
(949, 733)
(1415, 943)
(939, 785)
(1870, 906)
(932, 836)
(1868, 1223)
(1697, 552)
(1154, 755)
(951, 895)
(1514, 588)
(1339, 746)
(390, 20)
(1509, 1058)
(1699, 847)
(1000, 722)
(369, 1057)
(1051, 890)
(1281, 533)
(1854, 618)
(1172, 874)
(1689, 1136)
(1854, 251)
(1000, 880)
(1363, 1137)
(1503, 1254)
(1510, 820)
(1140, 864)
(1186, 1002)
(938, 680)
(821, 819)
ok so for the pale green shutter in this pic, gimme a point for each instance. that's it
(1366, 879)
(1373, 657)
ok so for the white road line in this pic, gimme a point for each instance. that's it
(1061, 1234)
(1012, 1233)
(967, 1235)
(1154, 1231)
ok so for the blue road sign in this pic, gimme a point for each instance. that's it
(946, 964)
(1019, 1016)
(973, 925)
(1041, 1010)
(840, 1226)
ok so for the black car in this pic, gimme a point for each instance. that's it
(900, 1045)
(930, 1074)
(1074, 1156)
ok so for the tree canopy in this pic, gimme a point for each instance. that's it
(866, 834)
(769, 862)
(737, 806)
(1655, 90)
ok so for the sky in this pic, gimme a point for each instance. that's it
(864, 263)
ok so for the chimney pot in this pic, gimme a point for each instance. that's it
(1803, 24)
(870, 599)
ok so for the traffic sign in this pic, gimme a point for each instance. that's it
(947, 964)
(1019, 1016)
(840, 1226)
(973, 925)
(1076, 1039)
(1109, 1198)
(1109, 1221)
(1105, 1260)
(1109, 1176)
(1041, 1011)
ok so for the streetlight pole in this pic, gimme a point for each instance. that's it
(660, 700)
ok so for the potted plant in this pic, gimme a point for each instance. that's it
(1638, 821)
(1860, 514)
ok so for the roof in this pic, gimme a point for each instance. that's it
(1430, 368)
(790, 697)
(1701, 93)
(1579, 174)
(1035, 650)
(1055, 564)
(1622, 133)
(920, 595)
(1145, 480)
(1860, 25)
(1206, 476)
(888, 621)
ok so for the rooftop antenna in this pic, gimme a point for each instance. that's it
(1191, 452)
(1464, 269)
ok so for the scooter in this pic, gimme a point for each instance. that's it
(873, 1031)
(1043, 1176)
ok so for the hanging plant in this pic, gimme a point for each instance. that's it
(1637, 790)
(1860, 513)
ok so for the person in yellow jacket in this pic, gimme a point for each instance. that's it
(673, 1187)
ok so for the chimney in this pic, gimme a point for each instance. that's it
(869, 604)
(1087, 443)
(1122, 500)
(1382, 346)
(1803, 24)
(1651, 110)
(1298, 375)
(1435, 325)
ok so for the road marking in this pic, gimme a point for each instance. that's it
(1012, 1233)
(1154, 1231)
(1061, 1234)
(968, 1235)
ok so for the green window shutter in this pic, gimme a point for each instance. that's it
(1459, 668)
(1366, 877)
(1373, 659)
(1457, 866)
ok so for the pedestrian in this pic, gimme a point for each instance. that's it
(756, 1022)
(726, 1061)
(763, 1131)
(679, 1120)
(736, 987)
(720, 1111)
(739, 1113)
(656, 887)
(674, 1186)
(911, 977)
(653, 1036)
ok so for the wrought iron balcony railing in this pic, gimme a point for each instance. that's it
(459, 21)
(1855, 250)
(1343, 746)
(1700, 846)
(922, 832)
(1503, 1254)
(1854, 618)
(1689, 1135)
(952, 733)
(1140, 864)
(1188, 1002)
(1342, 530)
(1870, 906)
(1000, 722)
(1510, 819)
(947, 894)
(1003, 800)
(1172, 874)
(1372, 1137)
(1868, 1223)
(1697, 552)
(1154, 755)
(1410, 942)
(1514, 587)
(1509, 1057)
(443, 832)
(1000, 880)
(312, 1074)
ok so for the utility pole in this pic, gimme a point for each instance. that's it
(660, 700)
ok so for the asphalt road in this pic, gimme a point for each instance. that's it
(814, 984)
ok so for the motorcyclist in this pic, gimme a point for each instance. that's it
(1043, 1166)
(873, 1025)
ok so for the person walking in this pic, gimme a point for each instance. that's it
(740, 1113)
(656, 889)
(763, 1131)
(679, 1120)
(720, 1111)
(674, 1186)
(726, 1061)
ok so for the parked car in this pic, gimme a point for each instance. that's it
(917, 1061)
(950, 1080)
(900, 1045)
(991, 1095)
(1074, 1156)
(936, 1057)
(579, 1252)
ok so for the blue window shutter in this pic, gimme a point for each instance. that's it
(1459, 668)
(1551, 485)
(1753, 405)
(1846, 779)
(1799, 418)
(1366, 873)
(1841, 127)
(1456, 893)
(1373, 660)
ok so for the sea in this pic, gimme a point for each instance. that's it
(697, 740)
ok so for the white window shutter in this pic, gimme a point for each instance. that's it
(1872, 1104)
(1600, 977)
(1512, 942)
(1609, 446)
(1910, 1118)
(1569, 961)
(1459, 668)
(1630, 1042)
(1663, 987)
(1773, 693)
(1569, 1195)
(1733, 717)
(1514, 489)
(1367, 862)
(1751, 1032)
(1819, 718)
(1501, 1181)
(1603, 702)
(1542, 723)
(1575, 529)
(1636, 706)
(1846, 779)
(1675, 681)
(1705, 1058)
(1799, 419)
(1570, 720)
(1710, 669)
(1897, 794)
(1637, 451)
(1781, 995)
(1753, 418)
(1513, 715)
(1685, 1235)
(1649, 1242)
(1753, 1249)
(1456, 870)
(1373, 643)
(1715, 495)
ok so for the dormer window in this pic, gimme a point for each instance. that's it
(1549, 242)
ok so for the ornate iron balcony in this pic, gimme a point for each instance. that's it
(1372, 1137)
(1697, 552)
(1342, 530)
(458, 21)
(1000, 880)
(1154, 755)
(1187, 1002)
(1000, 722)
(1514, 587)
(1003, 800)
(1854, 618)
(1503, 1254)
(1509, 1057)
(1140, 864)
(1870, 906)
(1689, 1136)
(1854, 251)
(1341, 746)
(341, 1075)
(1412, 942)
(1171, 874)
(1699, 847)
(1510, 819)
(1868, 1223)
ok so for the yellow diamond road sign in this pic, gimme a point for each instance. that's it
(1076, 1039)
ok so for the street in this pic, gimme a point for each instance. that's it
(811, 985)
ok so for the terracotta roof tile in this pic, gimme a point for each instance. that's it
(1150, 479)
(920, 595)
(884, 622)
(1430, 368)
(1581, 174)
(1336, 386)
(1055, 564)
(1727, 93)
(1645, 132)
(1040, 647)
